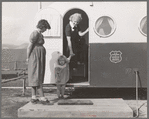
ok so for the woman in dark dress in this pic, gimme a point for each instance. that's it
(36, 61)
(73, 33)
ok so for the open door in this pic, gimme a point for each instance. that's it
(80, 74)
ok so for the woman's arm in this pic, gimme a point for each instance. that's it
(70, 45)
(68, 37)
(29, 49)
(33, 39)
(83, 33)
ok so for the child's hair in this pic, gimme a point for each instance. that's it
(61, 57)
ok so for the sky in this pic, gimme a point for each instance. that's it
(18, 21)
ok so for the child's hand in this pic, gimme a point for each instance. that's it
(68, 59)
(71, 55)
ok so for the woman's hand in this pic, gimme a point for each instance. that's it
(69, 58)
(71, 52)
(83, 33)
(87, 30)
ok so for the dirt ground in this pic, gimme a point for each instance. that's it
(12, 99)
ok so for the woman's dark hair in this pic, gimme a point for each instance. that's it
(43, 24)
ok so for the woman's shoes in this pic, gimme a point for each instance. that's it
(34, 101)
(44, 102)
(47, 102)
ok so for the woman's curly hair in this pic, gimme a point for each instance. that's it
(43, 24)
(76, 16)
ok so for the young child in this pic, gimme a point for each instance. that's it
(62, 74)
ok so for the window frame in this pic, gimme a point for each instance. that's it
(113, 30)
(140, 26)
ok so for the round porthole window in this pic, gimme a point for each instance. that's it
(104, 26)
(143, 26)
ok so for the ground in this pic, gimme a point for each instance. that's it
(12, 99)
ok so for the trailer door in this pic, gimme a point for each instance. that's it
(79, 74)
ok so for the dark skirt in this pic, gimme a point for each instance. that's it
(36, 66)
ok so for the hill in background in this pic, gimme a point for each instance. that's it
(10, 46)
(14, 56)
(22, 46)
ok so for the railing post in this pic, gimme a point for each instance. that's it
(15, 65)
(24, 86)
(136, 71)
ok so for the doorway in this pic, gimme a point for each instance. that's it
(80, 74)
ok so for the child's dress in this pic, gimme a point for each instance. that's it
(62, 76)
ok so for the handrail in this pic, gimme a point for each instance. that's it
(137, 109)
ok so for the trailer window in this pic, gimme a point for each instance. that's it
(143, 26)
(104, 26)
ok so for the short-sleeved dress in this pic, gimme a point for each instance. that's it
(64, 75)
(74, 41)
(36, 64)
(74, 36)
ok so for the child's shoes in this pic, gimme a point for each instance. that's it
(47, 102)
(42, 100)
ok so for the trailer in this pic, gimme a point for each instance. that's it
(114, 51)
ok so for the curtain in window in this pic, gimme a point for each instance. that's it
(98, 23)
(110, 23)
(143, 25)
